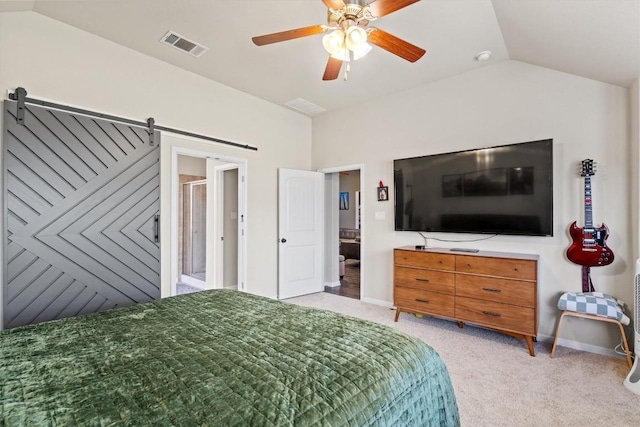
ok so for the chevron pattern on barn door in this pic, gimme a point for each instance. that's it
(82, 199)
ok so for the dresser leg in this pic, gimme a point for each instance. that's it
(397, 314)
(460, 324)
(530, 345)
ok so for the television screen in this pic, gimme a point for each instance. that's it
(499, 190)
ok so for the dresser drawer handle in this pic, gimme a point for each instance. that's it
(515, 269)
(490, 313)
(468, 265)
(497, 291)
(422, 280)
(422, 300)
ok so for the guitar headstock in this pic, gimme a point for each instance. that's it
(587, 167)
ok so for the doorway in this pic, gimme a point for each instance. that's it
(208, 236)
(192, 234)
(343, 240)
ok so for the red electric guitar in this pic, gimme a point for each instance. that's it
(589, 247)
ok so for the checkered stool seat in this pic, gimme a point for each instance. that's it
(596, 303)
(595, 306)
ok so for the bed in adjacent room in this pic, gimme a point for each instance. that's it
(220, 358)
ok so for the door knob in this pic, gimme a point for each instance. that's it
(283, 240)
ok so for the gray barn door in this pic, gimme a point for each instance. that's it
(81, 206)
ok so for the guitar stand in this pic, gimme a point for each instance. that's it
(587, 284)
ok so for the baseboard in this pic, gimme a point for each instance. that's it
(377, 302)
(575, 345)
(332, 284)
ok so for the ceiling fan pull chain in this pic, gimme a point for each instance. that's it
(347, 68)
(347, 64)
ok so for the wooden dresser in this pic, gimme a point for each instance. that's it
(495, 290)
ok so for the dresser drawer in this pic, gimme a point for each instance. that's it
(424, 302)
(512, 268)
(496, 315)
(515, 292)
(439, 281)
(425, 259)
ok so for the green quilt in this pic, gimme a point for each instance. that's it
(220, 358)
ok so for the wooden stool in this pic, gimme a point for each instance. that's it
(594, 317)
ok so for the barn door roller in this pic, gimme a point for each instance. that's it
(20, 95)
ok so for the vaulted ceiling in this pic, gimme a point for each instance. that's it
(596, 39)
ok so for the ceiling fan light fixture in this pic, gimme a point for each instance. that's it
(361, 51)
(334, 42)
(356, 37)
(342, 54)
(340, 44)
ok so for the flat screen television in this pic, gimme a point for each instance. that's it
(506, 189)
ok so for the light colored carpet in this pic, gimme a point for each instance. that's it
(497, 383)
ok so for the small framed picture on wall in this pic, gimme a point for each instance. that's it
(383, 194)
(344, 201)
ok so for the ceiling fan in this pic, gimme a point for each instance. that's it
(348, 33)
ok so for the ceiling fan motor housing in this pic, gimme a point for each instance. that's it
(351, 14)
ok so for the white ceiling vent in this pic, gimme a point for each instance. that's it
(304, 106)
(183, 44)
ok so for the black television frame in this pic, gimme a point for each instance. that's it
(495, 181)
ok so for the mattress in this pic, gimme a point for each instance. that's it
(220, 358)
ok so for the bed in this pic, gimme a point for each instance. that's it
(219, 358)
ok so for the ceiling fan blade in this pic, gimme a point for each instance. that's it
(334, 4)
(288, 35)
(395, 45)
(380, 8)
(333, 69)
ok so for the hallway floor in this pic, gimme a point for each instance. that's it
(350, 283)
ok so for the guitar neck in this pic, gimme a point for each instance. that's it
(588, 212)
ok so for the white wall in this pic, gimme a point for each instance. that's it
(503, 103)
(60, 63)
(189, 165)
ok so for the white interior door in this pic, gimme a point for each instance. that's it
(300, 228)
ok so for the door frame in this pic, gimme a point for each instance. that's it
(242, 215)
(218, 222)
(363, 198)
